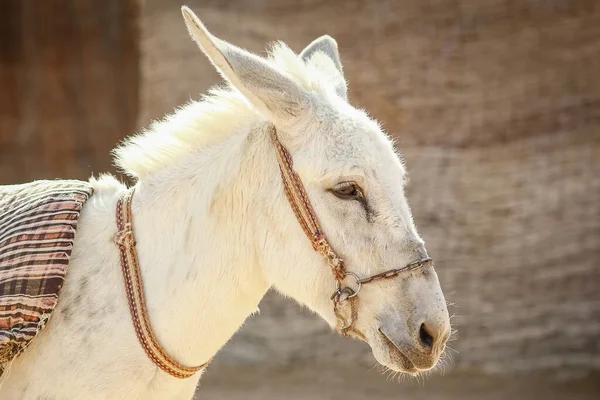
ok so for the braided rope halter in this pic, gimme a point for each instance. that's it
(343, 297)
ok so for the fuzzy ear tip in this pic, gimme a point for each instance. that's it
(328, 39)
(188, 14)
(192, 22)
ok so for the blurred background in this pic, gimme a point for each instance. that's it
(495, 105)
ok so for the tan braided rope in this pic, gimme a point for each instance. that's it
(302, 207)
(134, 288)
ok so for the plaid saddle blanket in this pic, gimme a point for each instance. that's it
(37, 229)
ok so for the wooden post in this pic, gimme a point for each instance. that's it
(69, 85)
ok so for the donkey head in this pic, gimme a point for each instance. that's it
(355, 182)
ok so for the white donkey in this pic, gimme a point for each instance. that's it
(214, 231)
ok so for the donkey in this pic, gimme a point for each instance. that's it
(224, 189)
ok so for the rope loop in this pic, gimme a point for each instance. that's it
(122, 235)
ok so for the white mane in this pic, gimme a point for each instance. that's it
(199, 123)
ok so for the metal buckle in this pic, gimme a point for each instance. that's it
(351, 293)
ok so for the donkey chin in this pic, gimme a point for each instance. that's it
(401, 355)
(407, 347)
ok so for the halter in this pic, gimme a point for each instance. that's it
(343, 297)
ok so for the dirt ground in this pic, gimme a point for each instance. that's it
(351, 383)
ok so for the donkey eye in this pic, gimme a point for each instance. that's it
(347, 190)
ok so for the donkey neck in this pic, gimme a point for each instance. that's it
(194, 232)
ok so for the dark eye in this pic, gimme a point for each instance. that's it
(347, 190)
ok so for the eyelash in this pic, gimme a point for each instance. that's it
(356, 194)
(359, 197)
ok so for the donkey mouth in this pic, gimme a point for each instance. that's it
(397, 356)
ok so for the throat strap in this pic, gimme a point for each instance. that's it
(134, 288)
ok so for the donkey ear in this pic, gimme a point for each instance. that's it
(324, 55)
(266, 88)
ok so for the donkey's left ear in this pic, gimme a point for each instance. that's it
(324, 55)
(272, 92)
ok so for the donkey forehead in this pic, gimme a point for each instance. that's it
(355, 145)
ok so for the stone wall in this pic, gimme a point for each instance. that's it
(69, 86)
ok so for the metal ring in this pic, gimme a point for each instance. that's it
(339, 289)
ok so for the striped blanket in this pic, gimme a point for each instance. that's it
(37, 229)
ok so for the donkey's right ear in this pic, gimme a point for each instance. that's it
(323, 54)
(274, 94)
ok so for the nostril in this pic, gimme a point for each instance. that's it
(425, 337)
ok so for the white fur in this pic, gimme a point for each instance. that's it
(214, 231)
